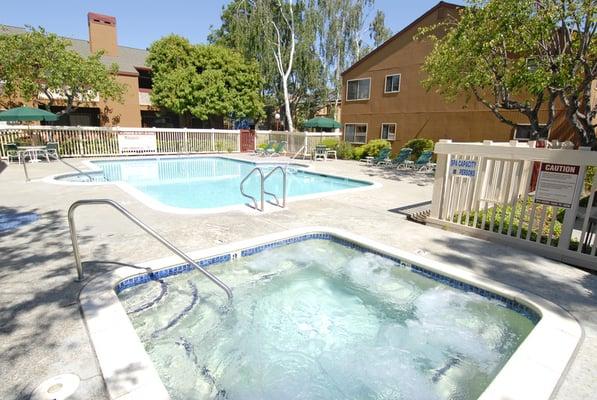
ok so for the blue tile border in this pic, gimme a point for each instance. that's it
(454, 283)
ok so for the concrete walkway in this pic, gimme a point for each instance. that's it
(42, 333)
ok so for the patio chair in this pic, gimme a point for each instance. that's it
(422, 164)
(321, 152)
(12, 152)
(268, 149)
(381, 156)
(400, 159)
(52, 150)
(279, 149)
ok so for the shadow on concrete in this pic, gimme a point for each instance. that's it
(418, 178)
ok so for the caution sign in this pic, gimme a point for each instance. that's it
(557, 184)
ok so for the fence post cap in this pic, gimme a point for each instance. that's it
(513, 142)
(445, 140)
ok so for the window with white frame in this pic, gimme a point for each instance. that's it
(388, 131)
(392, 83)
(355, 133)
(358, 89)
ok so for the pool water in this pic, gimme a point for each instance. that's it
(319, 320)
(211, 182)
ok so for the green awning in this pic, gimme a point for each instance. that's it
(322, 122)
(27, 114)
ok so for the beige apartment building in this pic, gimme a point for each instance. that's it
(136, 110)
(384, 97)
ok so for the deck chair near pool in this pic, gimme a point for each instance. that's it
(278, 150)
(12, 152)
(381, 156)
(52, 151)
(422, 164)
(320, 152)
(266, 150)
(400, 158)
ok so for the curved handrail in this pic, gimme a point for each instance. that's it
(283, 185)
(242, 191)
(142, 225)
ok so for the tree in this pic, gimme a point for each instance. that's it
(483, 54)
(203, 80)
(341, 42)
(37, 63)
(570, 53)
(378, 32)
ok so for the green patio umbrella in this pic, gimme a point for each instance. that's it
(27, 114)
(322, 122)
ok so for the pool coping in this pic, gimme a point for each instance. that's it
(533, 371)
(159, 206)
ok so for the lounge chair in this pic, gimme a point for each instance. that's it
(321, 151)
(12, 152)
(52, 150)
(381, 156)
(400, 159)
(422, 164)
(278, 150)
(268, 149)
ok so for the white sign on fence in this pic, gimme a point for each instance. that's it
(556, 185)
(138, 142)
(466, 168)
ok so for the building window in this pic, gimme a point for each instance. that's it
(392, 84)
(358, 89)
(355, 133)
(388, 131)
(523, 133)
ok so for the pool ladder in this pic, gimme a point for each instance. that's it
(262, 192)
(140, 224)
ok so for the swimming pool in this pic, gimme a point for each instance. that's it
(321, 318)
(206, 183)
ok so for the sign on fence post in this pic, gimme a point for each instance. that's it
(464, 168)
(556, 185)
(137, 142)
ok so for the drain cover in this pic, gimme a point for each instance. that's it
(59, 387)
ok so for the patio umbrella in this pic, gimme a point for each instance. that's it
(322, 122)
(27, 114)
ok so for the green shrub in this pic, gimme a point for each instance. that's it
(419, 146)
(330, 143)
(359, 152)
(589, 177)
(344, 151)
(262, 146)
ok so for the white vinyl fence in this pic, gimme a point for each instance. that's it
(303, 142)
(93, 141)
(527, 197)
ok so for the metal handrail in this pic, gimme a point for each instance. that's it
(242, 191)
(283, 185)
(59, 159)
(142, 225)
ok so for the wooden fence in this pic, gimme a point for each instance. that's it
(297, 141)
(524, 196)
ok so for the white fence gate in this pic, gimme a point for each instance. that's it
(539, 199)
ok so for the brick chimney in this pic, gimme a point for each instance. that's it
(102, 34)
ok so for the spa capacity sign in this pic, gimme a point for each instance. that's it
(465, 168)
(138, 142)
(557, 184)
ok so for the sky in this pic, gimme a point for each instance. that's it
(139, 23)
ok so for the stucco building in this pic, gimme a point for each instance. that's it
(384, 97)
(136, 109)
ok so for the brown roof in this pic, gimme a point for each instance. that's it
(128, 57)
(439, 5)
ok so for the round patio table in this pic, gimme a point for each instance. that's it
(33, 151)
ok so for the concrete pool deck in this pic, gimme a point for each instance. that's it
(42, 333)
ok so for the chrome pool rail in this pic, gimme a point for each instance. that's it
(242, 190)
(142, 225)
(262, 192)
(283, 185)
